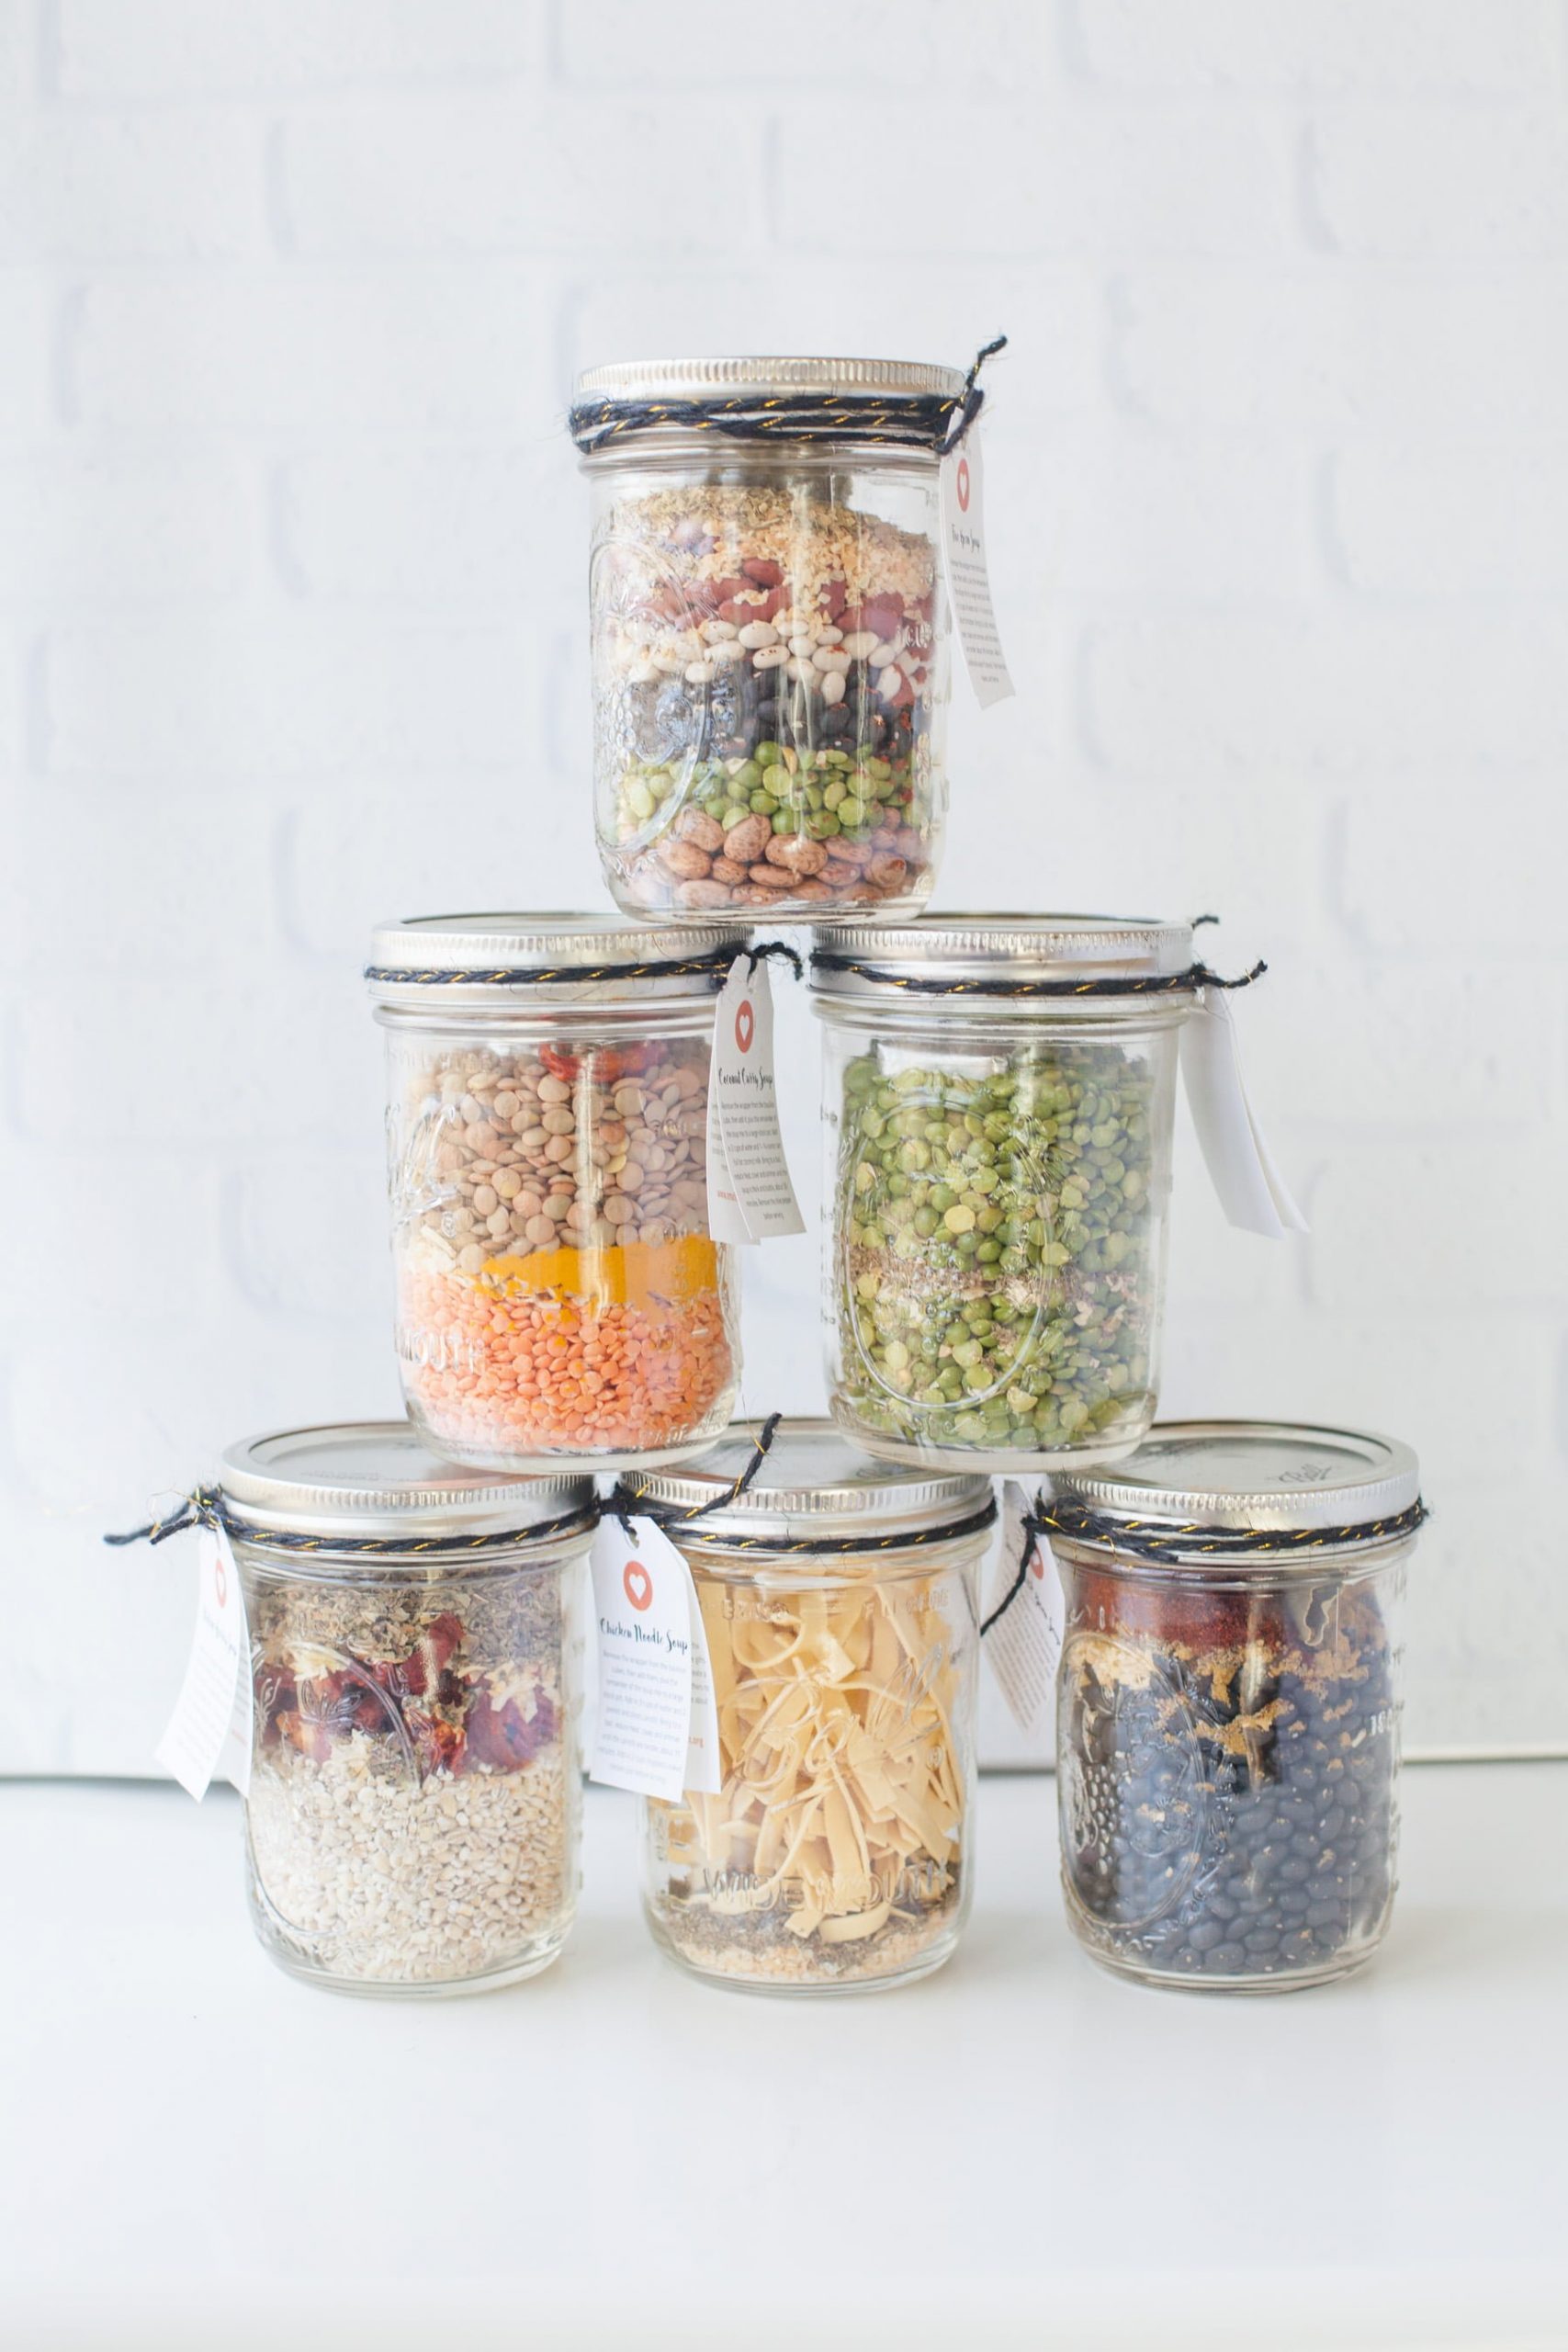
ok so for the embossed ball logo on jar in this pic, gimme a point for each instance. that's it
(960, 484)
(1134, 1801)
(745, 1024)
(638, 1584)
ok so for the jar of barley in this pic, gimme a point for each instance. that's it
(416, 1650)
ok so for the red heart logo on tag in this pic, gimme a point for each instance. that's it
(219, 1581)
(962, 485)
(745, 1026)
(1037, 1565)
(638, 1584)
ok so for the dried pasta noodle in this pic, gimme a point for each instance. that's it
(840, 1811)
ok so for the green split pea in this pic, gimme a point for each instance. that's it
(997, 1289)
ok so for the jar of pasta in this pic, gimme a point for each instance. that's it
(839, 1601)
(770, 655)
(999, 1094)
(559, 1293)
(1228, 1700)
(416, 1640)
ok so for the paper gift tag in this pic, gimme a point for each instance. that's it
(1252, 1192)
(750, 1197)
(210, 1727)
(1025, 1643)
(658, 1727)
(968, 577)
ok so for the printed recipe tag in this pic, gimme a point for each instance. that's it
(212, 1721)
(968, 579)
(750, 1197)
(1025, 1643)
(1242, 1169)
(658, 1727)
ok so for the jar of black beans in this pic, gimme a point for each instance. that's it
(1228, 1702)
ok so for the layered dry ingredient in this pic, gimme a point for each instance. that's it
(767, 665)
(1226, 1778)
(997, 1266)
(558, 1289)
(833, 1852)
(414, 1781)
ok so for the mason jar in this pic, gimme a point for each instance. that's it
(770, 656)
(416, 1670)
(558, 1294)
(838, 1598)
(1228, 1702)
(999, 1173)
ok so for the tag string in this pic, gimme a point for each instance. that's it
(1195, 977)
(625, 1499)
(1163, 1540)
(936, 423)
(206, 1506)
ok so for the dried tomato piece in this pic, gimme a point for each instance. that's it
(504, 1737)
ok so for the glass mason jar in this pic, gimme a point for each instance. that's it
(999, 1169)
(1228, 1702)
(770, 655)
(559, 1295)
(838, 1854)
(416, 1667)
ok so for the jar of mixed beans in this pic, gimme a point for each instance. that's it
(839, 1599)
(558, 1294)
(416, 1640)
(770, 656)
(999, 1131)
(1228, 1702)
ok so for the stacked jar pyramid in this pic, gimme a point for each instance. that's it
(772, 662)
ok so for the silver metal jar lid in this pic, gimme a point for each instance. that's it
(379, 1480)
(812, 1483)
(1249, 1478)
(432, 960)
(993, 950)
(644, 380)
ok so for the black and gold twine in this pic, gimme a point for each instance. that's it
(208, 1506)
(627, 1500)
(935, 422)
(1131, 984)
(714, 964)
(1192, 1539)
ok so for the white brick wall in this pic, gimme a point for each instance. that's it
(291, 559)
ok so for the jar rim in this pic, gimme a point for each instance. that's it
(813, 1484)
(370, 1480)
(973, 954)
(1307, 1492)
(689, 378)
(557, 956)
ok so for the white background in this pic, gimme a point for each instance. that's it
(291, 556)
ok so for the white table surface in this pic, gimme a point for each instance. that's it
(195, 2149)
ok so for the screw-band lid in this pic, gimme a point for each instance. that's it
(1239, 1477)
(812, 1483)
(380, 1478)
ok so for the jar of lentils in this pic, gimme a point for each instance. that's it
(770, 655)
(416, 1641)
(1000, 1145)
(839, 1601)
(1228, 1702)
(558, 1294)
